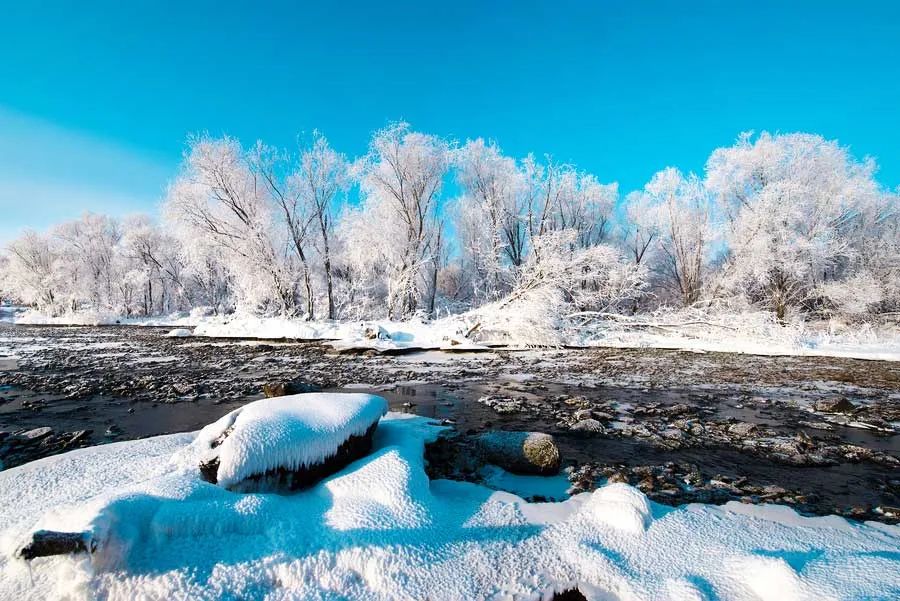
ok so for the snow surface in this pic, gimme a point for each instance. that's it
(811, 346)
(441, 333)
(290, 432)
(179, 333)
(381, 530)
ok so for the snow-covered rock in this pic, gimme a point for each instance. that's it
(289, 441)
(178, 333)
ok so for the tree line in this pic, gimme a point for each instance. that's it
(421, 225)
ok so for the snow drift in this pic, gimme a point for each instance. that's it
(380, 529)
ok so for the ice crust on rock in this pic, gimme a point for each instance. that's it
(288, 433)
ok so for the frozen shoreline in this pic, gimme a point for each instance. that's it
(380, 529)
(445, 334)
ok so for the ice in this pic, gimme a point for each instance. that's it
(289, 432)
(379, 529)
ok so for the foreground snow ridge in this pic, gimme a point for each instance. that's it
(289, 432)
(379, 529)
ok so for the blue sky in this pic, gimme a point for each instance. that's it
(97, 98)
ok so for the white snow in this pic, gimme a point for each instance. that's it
(752, 337)
(179, 333)
(380, 530)
(289, 432)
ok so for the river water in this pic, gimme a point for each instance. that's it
(743, 423)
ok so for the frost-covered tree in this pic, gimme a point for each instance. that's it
(322, 174)
(791, 201)
(562, 280)
(29, 275)
(401, 179)
(558, 197)
(490, 228)
(88, 263)
(152, 259)
(221, 197)
(673, 213)
(291, 207)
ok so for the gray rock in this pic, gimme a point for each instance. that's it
(742, 428)
(587, 425)
(37, 433)
(273, 389)
(520, 452)
(835, 405)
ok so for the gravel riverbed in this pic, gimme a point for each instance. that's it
(819, 434)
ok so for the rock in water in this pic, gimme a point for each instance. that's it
(835, 405)
(520, 452)
(273, 389)
(376, 332)
(288, 442)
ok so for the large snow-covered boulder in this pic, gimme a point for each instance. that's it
(288, 442)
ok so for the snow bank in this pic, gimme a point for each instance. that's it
(104, 318)
(751, 333)
(380, 530)
(288, 432)
(756, 333)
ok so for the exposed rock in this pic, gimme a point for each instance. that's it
(376, 333)
(503, 405)
(587, 425)
(520, 452)
(47, 542)
(274, 389)
(742, 428)
(572, 594)
(36, 434)
(835, 405)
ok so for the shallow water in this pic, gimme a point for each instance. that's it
(142, 384)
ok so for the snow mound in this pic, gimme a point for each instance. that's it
(379, 529)
(620, 506)
(288, 432)
(178, 333)
(384, 494)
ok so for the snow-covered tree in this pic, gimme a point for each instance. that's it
(322, 174)
(673, 213)
(559, 281)
(221, 197)
(152, 259)
(558, 197)
(490, 228)
(88, 264)
(792, 201)
(29, 274)
(401, 179)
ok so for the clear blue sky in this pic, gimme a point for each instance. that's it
(96, 98)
